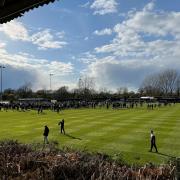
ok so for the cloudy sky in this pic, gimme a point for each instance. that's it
(116, 42)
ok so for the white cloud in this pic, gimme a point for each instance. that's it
(35, 70)
(149, 7)
(15, 30)
(85, 5)
(60, 68)
(86, 38)
(44, 39)
(155, 23)
(2, 45)
(147, 41)
(87, 58)
(60, 34)
(113, 73)
(131, 34)
(103, 7)
(105, 31)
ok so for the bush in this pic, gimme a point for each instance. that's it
(19, 161)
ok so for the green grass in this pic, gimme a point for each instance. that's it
(124, 132)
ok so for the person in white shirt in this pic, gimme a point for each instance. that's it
(153, 141)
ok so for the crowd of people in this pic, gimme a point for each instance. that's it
(75, 104)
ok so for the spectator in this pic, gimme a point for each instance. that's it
(45, 134)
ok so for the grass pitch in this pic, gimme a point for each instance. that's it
(120, 133)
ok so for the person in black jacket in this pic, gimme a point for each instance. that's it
(61, 123)
(153, 141)
(45, 134)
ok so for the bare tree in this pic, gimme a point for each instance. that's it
(163, 83)
(86, 82)
(178, 86)
(167, 81)
(150, 85)
(86, 86)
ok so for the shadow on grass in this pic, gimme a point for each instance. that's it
(167, 155)
(163, 154)
(73, 137)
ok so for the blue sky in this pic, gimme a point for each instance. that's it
(115, 42)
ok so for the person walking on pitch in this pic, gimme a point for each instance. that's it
(153, 141)
(61, 123)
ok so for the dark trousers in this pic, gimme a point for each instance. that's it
(153, 144)
(62, 130)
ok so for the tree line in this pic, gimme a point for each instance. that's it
(162, 84)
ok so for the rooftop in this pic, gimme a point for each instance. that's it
(11, 9)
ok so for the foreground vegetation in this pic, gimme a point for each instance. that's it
(19, 161)
(118, 133)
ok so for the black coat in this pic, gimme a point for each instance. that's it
(46, 131)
